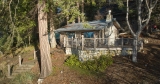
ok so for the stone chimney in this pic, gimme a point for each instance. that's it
(109, 16)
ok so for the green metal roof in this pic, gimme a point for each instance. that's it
(95, 25)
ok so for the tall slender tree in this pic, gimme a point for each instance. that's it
(46, 64)
(143, 18)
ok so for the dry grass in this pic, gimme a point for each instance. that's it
(24, 49)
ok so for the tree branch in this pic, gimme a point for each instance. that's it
(149, 14)
(147, 20)
(128, 21)
(15, 9)
(10, 13)
(139, 17)
(144, 20)
(154, 4)
(147, 4)
(12, 23)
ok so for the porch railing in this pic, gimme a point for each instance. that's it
(97, 42)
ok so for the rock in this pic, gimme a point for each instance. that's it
(145, 41)
(40, 81)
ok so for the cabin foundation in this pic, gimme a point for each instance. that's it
(90, 54)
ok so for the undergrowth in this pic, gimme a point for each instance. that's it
(2, 75)
(23, 78)
(97, 65)
(3, 70)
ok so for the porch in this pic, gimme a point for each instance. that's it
(99, 43)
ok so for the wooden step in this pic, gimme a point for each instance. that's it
(20, 69)
(27, 66)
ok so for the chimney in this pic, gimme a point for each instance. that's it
(109, 16)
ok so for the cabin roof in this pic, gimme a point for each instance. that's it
(96, 25)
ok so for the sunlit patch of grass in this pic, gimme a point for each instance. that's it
(30, 58)
(81, 71)
(56, 70)
(24, 49)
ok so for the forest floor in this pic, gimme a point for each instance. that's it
(122, 71)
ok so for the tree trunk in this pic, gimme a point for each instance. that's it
(67, 18)
(135, 40)
(78, 16)
(135, 49)
(46, 64)
(82, 10)
(52, 34)
(142, 22)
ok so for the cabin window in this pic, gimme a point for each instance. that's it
(88, 34)
(57, 35)
(70, 35)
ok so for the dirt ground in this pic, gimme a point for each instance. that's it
(122, 71)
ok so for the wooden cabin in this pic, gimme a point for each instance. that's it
(94, 38)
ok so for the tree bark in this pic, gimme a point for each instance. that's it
(82, 10)
(135, 49)
(67, 18)
(52, 34)
(79, 20)
(46, 64)
(135, 39)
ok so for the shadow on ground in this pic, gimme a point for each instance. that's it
(145, 71)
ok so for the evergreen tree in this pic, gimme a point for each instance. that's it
(46, 63)
(16, 24)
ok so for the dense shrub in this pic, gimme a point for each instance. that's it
(96, 65)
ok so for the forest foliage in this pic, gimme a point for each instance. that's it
(18, 18)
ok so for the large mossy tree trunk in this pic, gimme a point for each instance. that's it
(46, 64)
